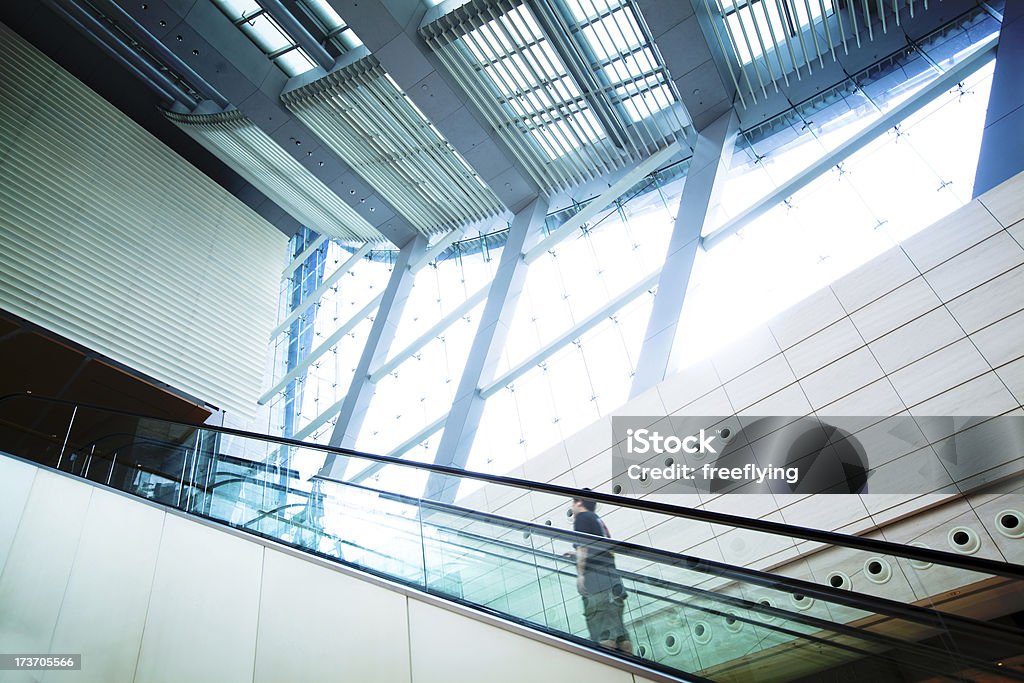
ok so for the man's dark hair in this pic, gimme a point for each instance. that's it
(589, 505)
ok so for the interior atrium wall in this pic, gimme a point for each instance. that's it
(112, 240)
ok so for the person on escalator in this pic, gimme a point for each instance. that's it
(598, 581)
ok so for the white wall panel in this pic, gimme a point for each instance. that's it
(980, 263)
(877, 277)
(916, 339)
(1006, 202)
(990, 302)
(1002, 341)
(203, 577)
(823, 347)
(894, 309)
(35, 576)
(938, 372)
(104, 607)
(814, 313)
(15, 484)
(109, 238)
(487, 653)
(319, 625)
(951, 235)
(1012, 374)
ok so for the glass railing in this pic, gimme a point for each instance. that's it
(497, 547)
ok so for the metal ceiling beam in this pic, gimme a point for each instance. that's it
(151, 43)
(298, 32)
(204, 42)
(690, 50)
(101, 35)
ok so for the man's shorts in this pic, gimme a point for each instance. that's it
(603, 611)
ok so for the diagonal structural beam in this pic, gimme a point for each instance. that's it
(378, 344)
(350, 324)
(301, 258)
(579, 329)
(710, 163)
(315, 295)
(921, 99)
(502, 298)
(626, 181)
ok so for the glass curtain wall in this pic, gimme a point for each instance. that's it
(902, 182)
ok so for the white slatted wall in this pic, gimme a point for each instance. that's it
(112, 240)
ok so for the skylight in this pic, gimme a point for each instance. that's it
(755, 24)
(622, 53)
(513, 54)
(330, 23)
(267, 34)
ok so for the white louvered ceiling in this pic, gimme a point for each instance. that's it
(768, 43)
(110, 239)
(575, 88)
(362, 114)
(259, 159)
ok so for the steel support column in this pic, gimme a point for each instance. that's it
(711, 159)
(378, 345)
(502, 297)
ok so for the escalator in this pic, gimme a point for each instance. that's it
(504, 547)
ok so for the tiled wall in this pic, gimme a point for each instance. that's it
(932, 327)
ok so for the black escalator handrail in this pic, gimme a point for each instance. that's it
(928, 555)
(848, 598)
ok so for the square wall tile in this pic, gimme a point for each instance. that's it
(916, 339)
(831, 343)
(876, 399)
(990, 302)
(934, 374)
(875, 278)
(788, 401)
(761, 381)
(1016, 231)
(714, 402)
(951, 235)
(1006, 202)
(814, 313)
(688, 385)
(840, 378)
(756, 347)
(996, 255)
(1012, 375)
(1003, 341)
(896, 308)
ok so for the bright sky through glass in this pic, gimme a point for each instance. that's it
(614, 36)
(512, 53)
(263, 30)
